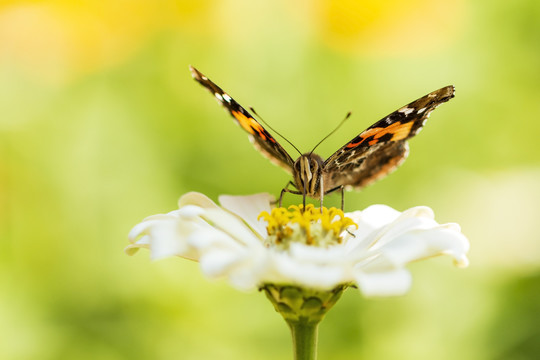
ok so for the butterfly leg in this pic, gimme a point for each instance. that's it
(342, 197)
(341, 189)
(304, 199)
(286, 189)
(322, 195)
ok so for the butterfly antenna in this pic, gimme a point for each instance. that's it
(271, 128)
(333, 131)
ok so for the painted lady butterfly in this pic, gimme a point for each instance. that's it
(368, 157)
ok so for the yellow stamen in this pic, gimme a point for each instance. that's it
(310, 226)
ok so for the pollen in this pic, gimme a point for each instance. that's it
(309, 226)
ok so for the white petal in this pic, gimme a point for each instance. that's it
(400, 226)
(168, 239)
(141, 229)
(372, 218)
(169, 216)
(209, 239)
(219, 218)
(243, 269)
(190, 211)
(143, 242)
(198, 199)
(375, 216)
(248, 208)
(304, 253)
(414, 218)
(233, 226)
(289, 270)
(244, 278)
(217, 263)
(421, 244)
(389, 283)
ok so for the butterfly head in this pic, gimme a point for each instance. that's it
(307, 170)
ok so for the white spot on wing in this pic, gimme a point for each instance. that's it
(406, 110)
(227, 98)
(218, 96)
(422, 110)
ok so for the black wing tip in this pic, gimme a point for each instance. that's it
(449, 91)
(443, 94)
(196, 74)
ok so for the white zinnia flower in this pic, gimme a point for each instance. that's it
(307, 249)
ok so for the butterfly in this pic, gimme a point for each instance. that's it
(368, 157)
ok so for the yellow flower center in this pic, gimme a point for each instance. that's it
(309, 226)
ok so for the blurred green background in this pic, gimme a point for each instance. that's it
(101, 125)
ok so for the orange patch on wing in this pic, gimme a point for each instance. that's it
(247, 123)
(252, 126)
(261, 135)
(398, 130)
(364, 136)
(373, 132)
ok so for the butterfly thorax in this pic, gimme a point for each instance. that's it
(307, 173)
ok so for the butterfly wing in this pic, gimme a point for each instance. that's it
(382, 147)
(261, 139)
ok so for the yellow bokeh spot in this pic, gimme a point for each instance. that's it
(59, 40)
(394, 27)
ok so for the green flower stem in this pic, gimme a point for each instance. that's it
(304, 334)
(303, 309)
